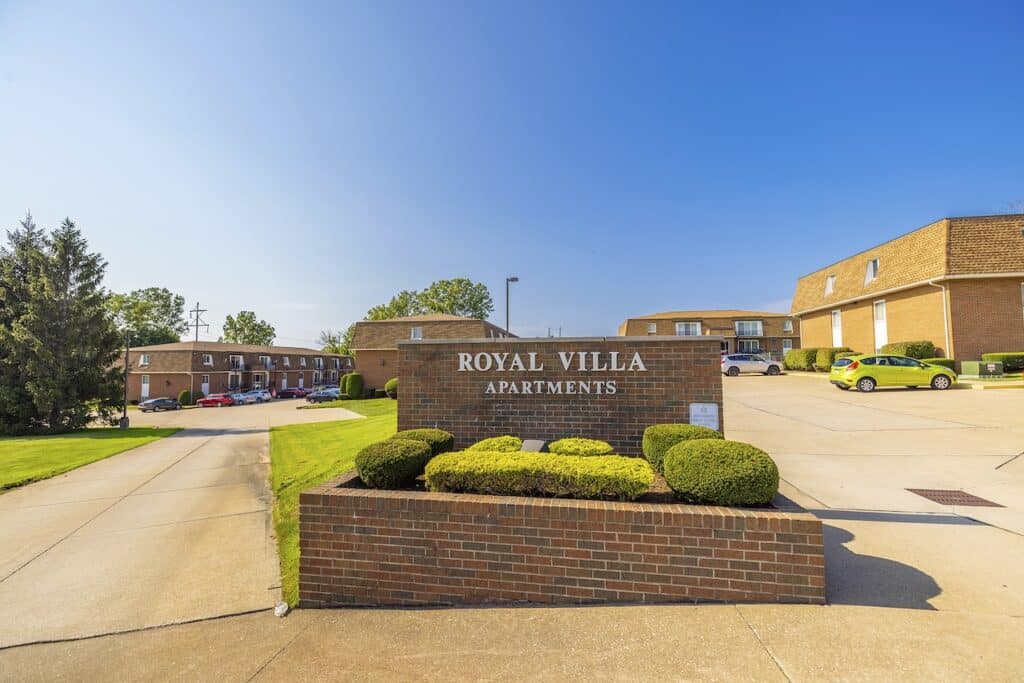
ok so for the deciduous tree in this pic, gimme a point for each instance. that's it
(154, 315)
(246, 329)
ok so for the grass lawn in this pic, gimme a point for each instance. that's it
(24, 459)
(304, 455)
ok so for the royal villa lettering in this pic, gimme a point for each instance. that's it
(578, 361)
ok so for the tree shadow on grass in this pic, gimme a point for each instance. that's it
(854, 579)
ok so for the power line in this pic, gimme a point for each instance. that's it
(194, 320)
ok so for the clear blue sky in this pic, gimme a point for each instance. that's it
(307, 161)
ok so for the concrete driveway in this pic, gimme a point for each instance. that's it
(176, 530)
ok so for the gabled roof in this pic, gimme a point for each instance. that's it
(724, 313)
(951, 247)
(422, 318)
(227, 347)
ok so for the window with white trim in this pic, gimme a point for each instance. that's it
(207, 359)
(687, 329)
(871, 273)
(749, 328)
(316, 377)
(652, 328)
(837, 328)
(830, 284)
(144, 360)
(787, 345)
(318, 363)
(748, 346)
(787, 325)
(236, 362)
(302, 361)
(205, 379)
(416, 333)
(337, 363)
(265, 361)
(286, 361)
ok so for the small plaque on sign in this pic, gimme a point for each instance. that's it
(704, 415)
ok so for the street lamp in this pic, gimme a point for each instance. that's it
(508, 281)
(123, 422)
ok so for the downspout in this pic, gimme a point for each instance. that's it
(945, 314)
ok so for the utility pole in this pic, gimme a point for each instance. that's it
(194, 320)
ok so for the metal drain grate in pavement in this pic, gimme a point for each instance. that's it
(954, 497)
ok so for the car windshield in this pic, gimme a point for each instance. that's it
(841, 362)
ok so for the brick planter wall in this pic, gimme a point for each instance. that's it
(366, 547)
(678, 371)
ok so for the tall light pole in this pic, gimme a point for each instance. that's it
(123, 422)
(508, 281)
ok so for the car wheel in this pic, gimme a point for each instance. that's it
(733, 371)
(773, 370)
(866, 384)
(941, 382)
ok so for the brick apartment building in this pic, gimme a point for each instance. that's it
(744, 331)
(216, 367)
(958, 282)
(375, 342)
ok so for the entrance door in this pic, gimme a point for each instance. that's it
(284, 381)
(302, 376)
(257, 380)
(837, 328)
(144, 392)
(205, 387)
(881, 328)
(787, 345)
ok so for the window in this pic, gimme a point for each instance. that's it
(316, 377)
(652, 328)
(144, 360)
(830, 284)
(286, 361)
(265, 361)
(205, 379)
(302, 361)
(207, 359)
(787, 345)
(416, 333)
(871, 274)
(145, 380)
(687, 329)
(903, 362)
(318, 363)
(337, 363)
(235, 362)
(837, 328)
(787, 326)
(749, 328)
(748, 346)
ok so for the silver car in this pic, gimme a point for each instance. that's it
(735, 363)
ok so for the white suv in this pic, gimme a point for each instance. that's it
(735, 363)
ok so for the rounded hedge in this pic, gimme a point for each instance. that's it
(578, 446)
(353, 385)
(394, 463)
(719, 472)
(944, 362)
(498, 444)
(391, 387)
(439, 440)
(659, 438)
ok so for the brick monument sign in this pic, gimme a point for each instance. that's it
(608, 388)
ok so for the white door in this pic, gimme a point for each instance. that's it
(284, 381)
(205, 387)
(302, 376)
(787, 345)
(881, 328)
(257, 380)
(837, 328)
(144, 392)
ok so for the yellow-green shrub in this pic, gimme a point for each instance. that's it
(498, 444)
(394, 463)
(718, 472)
(659, 438)
(578, 446)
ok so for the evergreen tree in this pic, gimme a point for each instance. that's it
(65, 339)
(20, 264)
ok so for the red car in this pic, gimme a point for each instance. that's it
(291, 392)
(215, 401)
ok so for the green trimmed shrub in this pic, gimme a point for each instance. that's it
(1012, 361)
(718, 472)
(185, 397)
(659, 438)
(391, 387)
(391, 464)
(911, 349)
(353, 385)
(439, 440)
(824, 358)
(498, 444)
(540, 474)
(800, 359)
(578, 446)
(944, 362)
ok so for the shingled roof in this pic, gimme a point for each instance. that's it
(951, 247)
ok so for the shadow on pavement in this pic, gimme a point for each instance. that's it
(209, 431)
(870, 581)
(901, 517)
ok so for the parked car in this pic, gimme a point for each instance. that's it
(242, 399)
(292, 392)
(735, 363)
(157, 404)
(260, 395)
(324, 395)
(868, 371)
(215, 401)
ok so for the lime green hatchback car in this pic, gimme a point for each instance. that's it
(868, 371)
